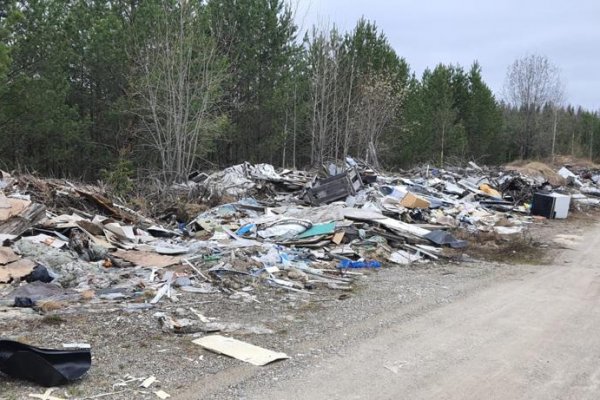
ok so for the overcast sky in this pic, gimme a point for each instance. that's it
(427, 32)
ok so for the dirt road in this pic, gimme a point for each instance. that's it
(535, 337)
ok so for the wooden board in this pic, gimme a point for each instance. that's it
(17, 269)
(338, 237)
(7, 255)
(11, 207)
(240, 350)
(146, 258)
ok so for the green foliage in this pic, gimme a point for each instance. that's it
(258, 36)
(482, 120)
(119, 177)
(70, 85)
(373, 54)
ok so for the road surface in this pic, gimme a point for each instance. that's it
(534, 337)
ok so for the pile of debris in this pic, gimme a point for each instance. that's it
(65, 243)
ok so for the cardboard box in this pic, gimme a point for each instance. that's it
(413, 201)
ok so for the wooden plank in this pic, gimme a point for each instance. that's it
(17, 269)
(338, 237)
(240, 350)
(7, 255)
(147, 259)
(15, 223)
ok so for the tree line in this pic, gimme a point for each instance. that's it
(115, 89)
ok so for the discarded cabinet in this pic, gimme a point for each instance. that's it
(335, 188)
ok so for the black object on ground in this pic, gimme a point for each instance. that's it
(43, 366)
(441, 238)
(39, 273)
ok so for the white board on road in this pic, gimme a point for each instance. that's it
(241, 350)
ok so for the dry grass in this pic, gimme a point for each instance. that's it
(575, 162)
(512, 249)
(49, 306)
(558, 162)
(53, 320)
(537, 169)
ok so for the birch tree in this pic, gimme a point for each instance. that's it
(331, 84)
(376, 106)
(177, 88)
(531, 83)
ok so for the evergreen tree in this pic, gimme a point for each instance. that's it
(482, 119)
(258, 36)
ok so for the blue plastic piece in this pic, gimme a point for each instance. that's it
(182, 227)
(245, 229)
(347, 264)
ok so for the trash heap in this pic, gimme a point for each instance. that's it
(282, 230)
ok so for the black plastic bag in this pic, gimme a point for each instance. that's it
(43, 366)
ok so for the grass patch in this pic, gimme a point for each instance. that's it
(53, 320)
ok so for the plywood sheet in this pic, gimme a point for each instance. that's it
(241, 350)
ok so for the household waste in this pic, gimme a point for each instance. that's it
(66, 244)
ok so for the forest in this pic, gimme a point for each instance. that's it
(156, 89)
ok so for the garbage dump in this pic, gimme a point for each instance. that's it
(69, 245)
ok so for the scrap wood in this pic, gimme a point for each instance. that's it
(124, 232)
(404, 257)
(162, 394)
(139, 216)
(114, 239)
(426, 252)
(63, 221)
(47, 240)
(196, 270)
(329, 279)
(10, 207)
(148, 381)
(17, 269)
(16, 224)
(338, 237)
(105, 204)
(396, 225)
(128, 379)
(161, 292)
(47, 395)
(98, 240)
(399, 236)
(7, 255)
(240, 350)
(146, 258)
(76, 346)
(287, 285)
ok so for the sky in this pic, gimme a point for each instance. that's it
(495, 33)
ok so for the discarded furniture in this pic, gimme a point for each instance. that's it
(335, 188)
